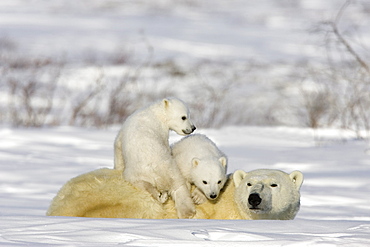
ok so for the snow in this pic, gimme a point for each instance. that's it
(335, 208)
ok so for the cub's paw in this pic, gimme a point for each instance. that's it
(186, 211)
(162, 197)
(198, 197)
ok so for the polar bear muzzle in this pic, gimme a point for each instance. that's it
(254, 200)
(213, 196)
(189, 131)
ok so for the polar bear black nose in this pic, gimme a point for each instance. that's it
(213, 196)
(254, 199)
(193, 128)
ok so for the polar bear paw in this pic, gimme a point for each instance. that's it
(184, 204)
(162, 197)
(185, 211)
(198, 197)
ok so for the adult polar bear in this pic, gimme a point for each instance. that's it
(260, 194)
(143, 154)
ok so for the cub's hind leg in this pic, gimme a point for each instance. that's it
(161, 196)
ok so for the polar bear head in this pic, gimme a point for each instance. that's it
(268, 193)
(209, 175)
(177, 116)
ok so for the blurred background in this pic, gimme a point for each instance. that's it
(91, 63)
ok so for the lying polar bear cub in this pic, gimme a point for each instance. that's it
(260, 194)
(202, 164)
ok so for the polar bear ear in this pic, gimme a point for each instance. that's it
(297, 178)
(223, 161)
(238, 177)
(195, 162)
(166, 103)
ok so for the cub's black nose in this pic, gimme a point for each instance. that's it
(213, 196)
(254, 199)
(193, 128)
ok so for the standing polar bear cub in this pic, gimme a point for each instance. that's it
(202, 164)
(142, 152)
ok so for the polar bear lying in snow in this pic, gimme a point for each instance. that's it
(143, 153)
(259, 194)
(202, 164)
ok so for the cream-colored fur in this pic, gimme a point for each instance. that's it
(104, 194)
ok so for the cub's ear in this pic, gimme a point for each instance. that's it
(223, 161)
(166, 103)
(297, 179)
(195, 162)
(238, 177)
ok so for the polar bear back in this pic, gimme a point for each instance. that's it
(104, 193)
(145, 133)
(144, 143)
(143, 139)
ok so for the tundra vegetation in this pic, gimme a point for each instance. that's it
(101, 91)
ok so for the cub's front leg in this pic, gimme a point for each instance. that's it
(184, 204)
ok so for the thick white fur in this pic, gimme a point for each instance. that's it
(202, 164)
(142, 152)
(104, 193)
(277, 190)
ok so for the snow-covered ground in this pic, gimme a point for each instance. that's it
(335, 210)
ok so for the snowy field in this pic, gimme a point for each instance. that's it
(335, 200)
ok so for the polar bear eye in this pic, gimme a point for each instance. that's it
(274, 185)
(249, 184)
(183, 118)
(205, 182)
(219, 182)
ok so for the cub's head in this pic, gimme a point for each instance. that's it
(177, 116)
(209, 175)
(268, 193)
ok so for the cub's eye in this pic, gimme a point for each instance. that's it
(219, 182)
(249, 184)
(183, 118)
(205, 182)
(274, 185)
